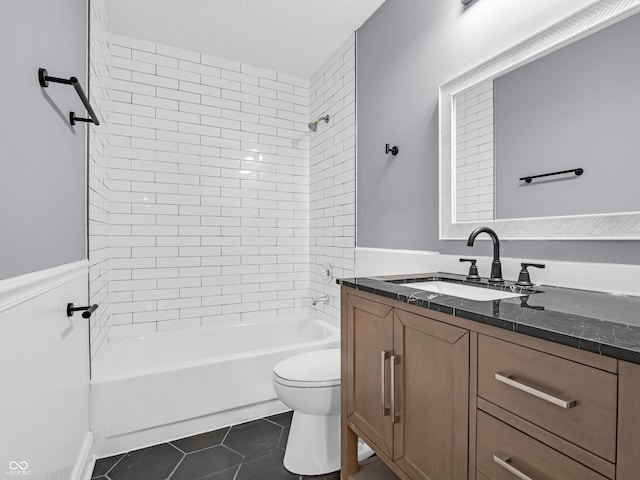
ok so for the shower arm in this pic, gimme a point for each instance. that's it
(313, 126)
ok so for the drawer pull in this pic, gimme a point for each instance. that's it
(394, 361)
(383, 382)
(506, 379)
(504, 461)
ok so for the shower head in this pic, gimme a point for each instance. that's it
(313, 126)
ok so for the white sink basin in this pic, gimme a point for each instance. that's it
(480, 294)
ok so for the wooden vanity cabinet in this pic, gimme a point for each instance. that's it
(407, 389)
(438, 397)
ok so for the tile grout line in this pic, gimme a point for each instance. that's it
(114, 465)
(237, 472)
(178, 464)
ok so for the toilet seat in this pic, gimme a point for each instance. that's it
(320, 368)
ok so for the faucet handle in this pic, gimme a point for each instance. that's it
(472, 276)
(524, 280)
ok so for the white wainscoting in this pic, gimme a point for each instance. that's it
(602, 277)
(372, 262)
(44, 375)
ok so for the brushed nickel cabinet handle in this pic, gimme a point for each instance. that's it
(520, 385)
(504, 461)
(394, 361)
(383, 357)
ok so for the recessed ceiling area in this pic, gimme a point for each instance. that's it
(289, 36)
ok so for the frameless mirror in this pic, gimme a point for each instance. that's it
(540, 141)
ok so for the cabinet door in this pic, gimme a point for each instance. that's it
(369, 345)
(432, 398)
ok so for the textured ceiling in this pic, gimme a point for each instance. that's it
(290, 36)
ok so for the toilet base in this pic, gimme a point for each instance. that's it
(312, 448)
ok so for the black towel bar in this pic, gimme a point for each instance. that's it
(44, 79)
(577, 171)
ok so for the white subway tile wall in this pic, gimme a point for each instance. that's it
(99, 164)
(209, 191)
(211, 202)
(332, 176)
(474, 154)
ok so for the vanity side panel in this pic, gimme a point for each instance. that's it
(348, 439)
(473, 402)
(628, 460)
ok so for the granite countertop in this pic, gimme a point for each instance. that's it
(597, 322)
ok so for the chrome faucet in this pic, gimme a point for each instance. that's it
(496, 267)
(321, 299)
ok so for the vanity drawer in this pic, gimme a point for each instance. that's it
(504, 453)
(569, 399)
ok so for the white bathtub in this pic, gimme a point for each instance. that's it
(149, 389)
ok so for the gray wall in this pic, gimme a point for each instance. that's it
(406, 50)
(577, 107)
(42, 158)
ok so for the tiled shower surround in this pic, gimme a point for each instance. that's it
(208, 189)
(99, 160)
(332, 175)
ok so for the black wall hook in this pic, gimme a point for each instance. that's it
(86, 311)
(393, 150)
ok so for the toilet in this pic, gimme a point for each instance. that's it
(309, 384)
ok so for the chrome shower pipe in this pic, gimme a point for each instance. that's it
(313, 126)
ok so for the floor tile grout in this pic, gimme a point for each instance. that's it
(244, 457)
(237, 471)
(177, 466)
(175, 446)
(114, 466)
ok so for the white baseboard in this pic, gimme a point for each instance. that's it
(88, 472)
(84, 464)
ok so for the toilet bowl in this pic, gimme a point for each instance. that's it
(309, 384)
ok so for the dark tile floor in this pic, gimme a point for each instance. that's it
(249, 451)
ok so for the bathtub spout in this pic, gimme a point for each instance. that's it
(321, 299)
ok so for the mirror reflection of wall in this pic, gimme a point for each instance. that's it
(576, 107)
(474, 153)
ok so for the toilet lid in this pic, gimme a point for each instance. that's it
(320, 368)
